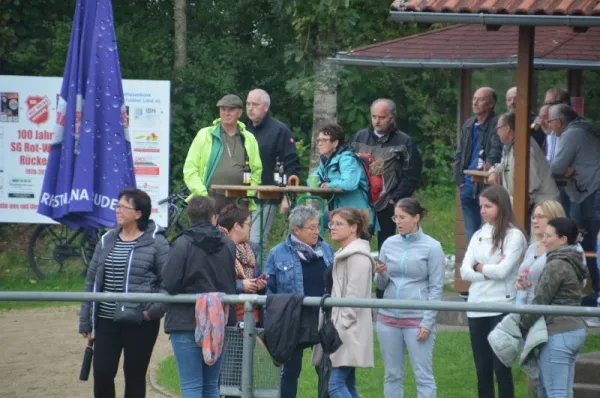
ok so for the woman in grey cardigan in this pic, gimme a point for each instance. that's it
(410, 267)
(129, 258)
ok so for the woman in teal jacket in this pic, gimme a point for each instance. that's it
(339, 168)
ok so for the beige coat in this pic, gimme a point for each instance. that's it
(542, 186)
(352, 275)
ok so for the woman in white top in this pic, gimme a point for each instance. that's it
(491, 264)
(535, 256)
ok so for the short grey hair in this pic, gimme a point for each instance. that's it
(300, 215)
(391, 105)
(563, 112)
(266, 99)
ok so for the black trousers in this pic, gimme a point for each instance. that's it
(137, 343)
(387, 227)
(486, 362)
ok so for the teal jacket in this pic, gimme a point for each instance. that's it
(343, 170)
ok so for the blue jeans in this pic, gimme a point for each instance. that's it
(342, 383)
(469, 203)
(557, 364)
(197, 379)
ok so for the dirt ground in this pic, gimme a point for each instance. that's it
(41, 353)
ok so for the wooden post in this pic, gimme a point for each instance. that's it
(575, 82)
(464, 111)
(522, 140)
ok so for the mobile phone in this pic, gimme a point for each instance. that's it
(263, 277)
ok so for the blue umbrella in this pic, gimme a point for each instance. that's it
(90, 159)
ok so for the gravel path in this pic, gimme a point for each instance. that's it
(41, 353)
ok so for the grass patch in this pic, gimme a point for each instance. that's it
(452, 365)
(16, 275)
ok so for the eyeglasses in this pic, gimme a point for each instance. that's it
(311, 229)
(336, 224)
(122, 207)
(396, 219)
(551, 120)
(538, 216)
(499, 127)
(323, 140)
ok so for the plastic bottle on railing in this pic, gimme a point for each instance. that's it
(523, 294)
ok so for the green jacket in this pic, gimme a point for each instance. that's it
(205, 154)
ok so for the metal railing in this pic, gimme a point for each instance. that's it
(251, 300)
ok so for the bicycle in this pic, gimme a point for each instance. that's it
(51, 245)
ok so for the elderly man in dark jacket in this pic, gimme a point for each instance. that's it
(399, 157)
(478, 147)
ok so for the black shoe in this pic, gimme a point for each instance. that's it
(464, 295)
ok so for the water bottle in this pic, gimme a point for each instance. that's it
(523, 294)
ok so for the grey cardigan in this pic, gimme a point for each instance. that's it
(143, 275)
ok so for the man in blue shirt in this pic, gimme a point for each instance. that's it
(478, 148)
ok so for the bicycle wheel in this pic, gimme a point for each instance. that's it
(49, 249)
(87, 247)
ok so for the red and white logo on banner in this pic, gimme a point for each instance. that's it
(37, 109)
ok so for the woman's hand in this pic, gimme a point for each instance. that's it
(250, 286)
(88, 336)
(381, 268)
(324, 185)
(423, 334)
(522, 282)
(261, 284)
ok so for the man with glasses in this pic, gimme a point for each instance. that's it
(542, 186)
(219, 152)
(576, 158)
(275, 142)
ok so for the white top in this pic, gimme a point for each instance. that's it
(499, 267)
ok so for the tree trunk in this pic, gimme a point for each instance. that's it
(180, 18)
(324, 103)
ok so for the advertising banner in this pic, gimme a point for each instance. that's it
(27, 117)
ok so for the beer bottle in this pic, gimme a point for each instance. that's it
(247, 179)
(282, 176)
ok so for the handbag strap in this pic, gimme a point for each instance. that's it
(326, 310)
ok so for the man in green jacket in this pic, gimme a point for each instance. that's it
(219, 152)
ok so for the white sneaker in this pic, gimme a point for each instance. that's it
(592, 322)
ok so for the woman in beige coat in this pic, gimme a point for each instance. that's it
(351, 276)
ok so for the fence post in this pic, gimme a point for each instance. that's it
(248, 351)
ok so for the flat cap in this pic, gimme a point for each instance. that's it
(231, 101)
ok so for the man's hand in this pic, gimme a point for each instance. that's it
(285, 206)
(146, 316)
(495, 178)
(381, 268)
(487, 167)
(570, 172)
(249, 286)
(423, 334)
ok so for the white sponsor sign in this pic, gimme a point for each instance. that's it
(27, 116)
